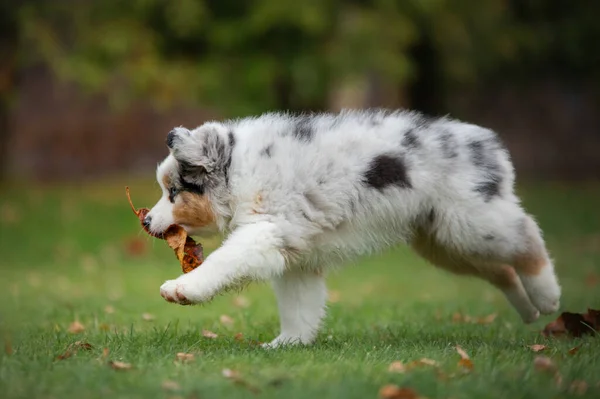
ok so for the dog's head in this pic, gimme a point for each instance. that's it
(192, 178)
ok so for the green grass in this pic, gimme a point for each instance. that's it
(64, 257)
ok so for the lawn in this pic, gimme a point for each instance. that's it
(77, 254)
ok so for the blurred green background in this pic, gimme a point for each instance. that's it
(89, 90)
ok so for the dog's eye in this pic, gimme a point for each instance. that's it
(172, 194)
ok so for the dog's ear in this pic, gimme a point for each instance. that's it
(201, 154)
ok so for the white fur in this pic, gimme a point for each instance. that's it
(297, 206)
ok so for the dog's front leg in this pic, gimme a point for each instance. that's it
(251, 252)
(301, 297)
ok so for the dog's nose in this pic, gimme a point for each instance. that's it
(147, 221)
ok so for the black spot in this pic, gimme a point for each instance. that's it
(188, 170)
(191, 187)
(410, 140)
(448, 145)
(385, 170)
(231, 137)
(303, 130)
(266, 152)
(489, 237)
(484, 159)
(477, 154)
(488, 189)
(431, 216)
(171, 138)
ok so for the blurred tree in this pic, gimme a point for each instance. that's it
(249, 56)
(9, 44)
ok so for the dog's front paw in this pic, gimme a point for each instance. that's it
(183, 291)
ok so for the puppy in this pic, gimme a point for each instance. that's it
(297, 195)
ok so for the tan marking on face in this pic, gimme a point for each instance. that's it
(193, 210)
(166, 181)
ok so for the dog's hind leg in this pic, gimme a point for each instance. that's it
(301, 298)
(501, 276)
(535, 269)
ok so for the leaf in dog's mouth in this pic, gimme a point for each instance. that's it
(189, 253)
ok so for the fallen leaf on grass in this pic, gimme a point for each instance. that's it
(397, 367)
(136, 247)
(76, 328)
(545, 364)
(236, 377)
(239, 336)
(574, 324)
(117, 365)
(226, 320)
(74, 348)
(148, 316)
(170, 385)
(209, 334)
(574, 350)
(8, 349)
(392, 391)
(108, 309)
(241, 302)
(465, 360)
(185, 357)
(425, 362)
(578, 387)
(537, 347)
(105, 353)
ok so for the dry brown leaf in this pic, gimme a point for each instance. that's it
(465, 361)
(185, 357)
(392, 391)
(117, 365)
(462, 353)
(209, 334)
(8, 348)
(73, 348)
(170, 385)
(574, 324)
(241, 302)
(109, 309)
(226, 320)
(397, 367)
(104, 327)
(76, 327)
(428, 362)
(537, 347)
(148, 317)
(105, 352)
(236, 377)
(188, 252)
(239, 336)
(574, 350)
(487, 319)
(544, 363)
(136, 246)
(578, 387)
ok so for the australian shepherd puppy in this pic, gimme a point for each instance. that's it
(297, 195)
